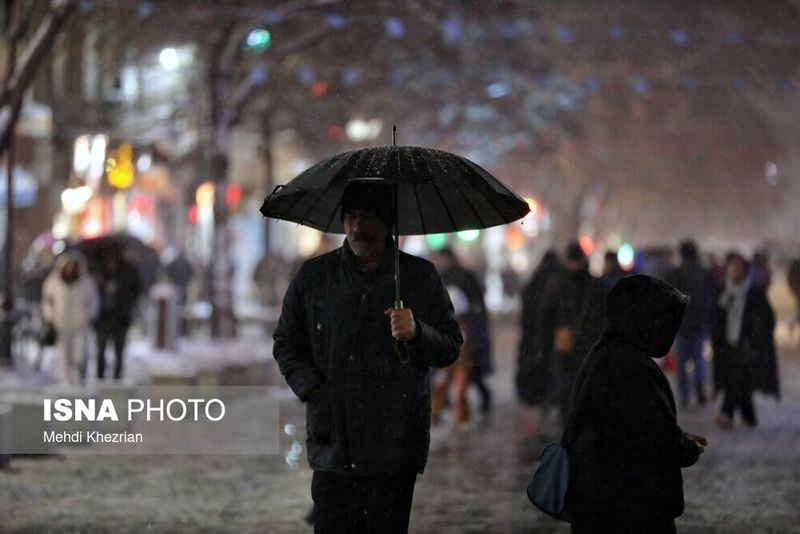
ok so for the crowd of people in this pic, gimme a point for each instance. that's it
(728, 320)
(375, 372)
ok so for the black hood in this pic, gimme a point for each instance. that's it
(645, 312)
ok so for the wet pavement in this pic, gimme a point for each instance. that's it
(747, 481)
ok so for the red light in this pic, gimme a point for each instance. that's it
(140, 203)
(94, 221)
(193, 214)
(319, 88)
(233, 193)
(515, 240)
(335, 133)
(587, 244)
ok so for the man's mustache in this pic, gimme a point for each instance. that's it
(362, 236)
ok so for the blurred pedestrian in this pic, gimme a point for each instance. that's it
(626, 449)
(120, 287)
(762, 275)
(457, 375)
(266, 276)
(179, 271)
(717, 268)
(475, 320)
(743, 342)
(612, 271)
(362, 367)
(69, 304)
(571, 321)
(793, 278)
(533, 362)
(698, 283)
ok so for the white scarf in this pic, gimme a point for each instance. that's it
(733, 299)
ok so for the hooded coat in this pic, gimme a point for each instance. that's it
(626, 449)
(69, 307)
(367, 413)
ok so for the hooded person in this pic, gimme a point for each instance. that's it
(626, 449)
(70, 303)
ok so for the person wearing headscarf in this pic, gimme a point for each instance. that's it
(742, 338)
(70, 303)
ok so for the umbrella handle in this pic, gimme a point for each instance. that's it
(400, 346)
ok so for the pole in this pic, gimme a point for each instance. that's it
(8, 317)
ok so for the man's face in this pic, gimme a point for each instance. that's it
(366, 233)
(737, 270)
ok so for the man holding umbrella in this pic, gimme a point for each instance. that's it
(360, 361)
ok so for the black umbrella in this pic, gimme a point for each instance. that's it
(435, 192)
(143, 257)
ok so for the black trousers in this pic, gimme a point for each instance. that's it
(379, 504)
(118, 334)
(739, 390)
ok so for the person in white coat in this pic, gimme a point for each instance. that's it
(70, 303)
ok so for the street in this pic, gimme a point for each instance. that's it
(747, 481)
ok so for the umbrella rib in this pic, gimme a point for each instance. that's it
(419, 208)
(314, 204)
(444, 203)
(330, 220)
(505, 198)
(472, 206)
(292, 205)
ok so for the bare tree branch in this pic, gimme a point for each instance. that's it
(36, 50)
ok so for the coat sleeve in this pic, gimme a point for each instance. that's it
(646, 416)
(291, 345)
(438, 334)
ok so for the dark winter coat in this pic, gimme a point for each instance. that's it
(119, 290)
(366, 411)
(627, 450)
(755, 353)
(698, 283)
(533, 363)
(576, 299)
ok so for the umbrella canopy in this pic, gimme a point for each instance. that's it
(143, 257)
(437, 191)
